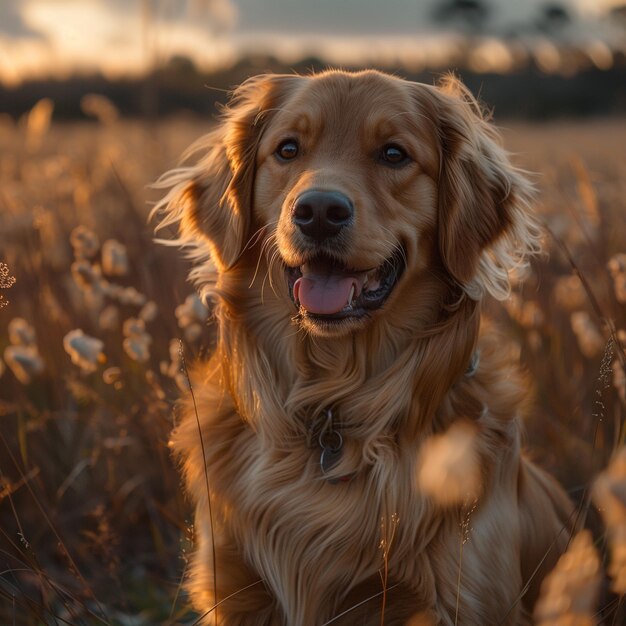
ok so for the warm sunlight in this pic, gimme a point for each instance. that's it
(61, 37)
(312, 312)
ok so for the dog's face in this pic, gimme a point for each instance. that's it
(347, 174)
(364, 184)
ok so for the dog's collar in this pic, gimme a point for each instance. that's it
(472, 368)
(330, 440)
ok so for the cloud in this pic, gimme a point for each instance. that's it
(213, 13)
(293, 17)
(12, 22)
(333, 17)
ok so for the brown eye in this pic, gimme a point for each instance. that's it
(287, 150)
(393, 155)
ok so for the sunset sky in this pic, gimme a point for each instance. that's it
(60, 37)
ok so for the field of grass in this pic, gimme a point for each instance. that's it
(94, 527)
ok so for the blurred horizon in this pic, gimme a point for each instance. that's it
(117, 39)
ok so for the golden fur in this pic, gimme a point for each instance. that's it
(290, 546)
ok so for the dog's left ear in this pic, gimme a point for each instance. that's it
(486, 229)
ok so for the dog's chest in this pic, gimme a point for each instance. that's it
(309, 537)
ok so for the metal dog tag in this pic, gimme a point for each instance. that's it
(328, 459)
(331, 443)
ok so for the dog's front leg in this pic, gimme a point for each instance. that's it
(242, 597)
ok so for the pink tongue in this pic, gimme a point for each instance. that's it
(325, 294)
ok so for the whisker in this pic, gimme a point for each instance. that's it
(268, 277)
(270, 240)
(254, 238)
(273, 260)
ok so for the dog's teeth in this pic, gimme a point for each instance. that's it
(351, 296)
(367, 280)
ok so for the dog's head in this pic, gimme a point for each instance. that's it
(360, 188)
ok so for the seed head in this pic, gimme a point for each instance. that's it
(85, 351)
(569, 594)
(609, 494)
(448, 467)
(114, 258)
(21, 333)
(24, 361)
(85, 242)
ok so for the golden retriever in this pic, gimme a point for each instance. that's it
(347, 227)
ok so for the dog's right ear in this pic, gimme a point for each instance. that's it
(210, 201)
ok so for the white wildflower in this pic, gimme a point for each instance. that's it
(109, 318)
(448, 466)
(85, 242)
(24, 361)
(192, 316)
(21, 333)
(85, 351)
(149, 311)
(137, 341)
(191, 311)
(87, 276)
(112, 290)
(129, 295)
(137, 347)
(114, 258)
(570, 592)
(124, 295)
(590, 340)
(133, 326)
(609, 494)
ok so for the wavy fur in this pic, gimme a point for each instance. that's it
(291, 547)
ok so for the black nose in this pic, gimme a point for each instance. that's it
(322, 214)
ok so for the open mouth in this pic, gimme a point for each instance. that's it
(325, 289)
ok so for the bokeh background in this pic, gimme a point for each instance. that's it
(98, 98)
(521, 55)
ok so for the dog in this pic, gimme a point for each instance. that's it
(347, 227)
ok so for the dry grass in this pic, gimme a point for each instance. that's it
(93, 525)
